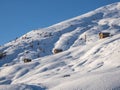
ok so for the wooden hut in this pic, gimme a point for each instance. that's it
(26, 60)
(57, 51)
(104, 35)
(2, 54)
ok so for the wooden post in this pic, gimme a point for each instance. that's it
(85, 37)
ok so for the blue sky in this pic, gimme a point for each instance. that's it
(18, 17)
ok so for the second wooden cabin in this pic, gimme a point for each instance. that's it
(2, 55)
(104, 35)
(26, 60)
(57, 51)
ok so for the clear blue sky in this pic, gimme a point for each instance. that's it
(18, 17)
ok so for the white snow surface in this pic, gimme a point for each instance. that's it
(86, 62)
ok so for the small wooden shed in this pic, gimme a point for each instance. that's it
(2, 54)
(26, 60)
(104, 35)
(57, 51)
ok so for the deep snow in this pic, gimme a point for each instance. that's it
(86, 63)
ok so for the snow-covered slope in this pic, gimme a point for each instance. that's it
(86, 63)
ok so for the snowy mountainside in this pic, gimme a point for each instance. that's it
(86, 63)
(39, 43)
